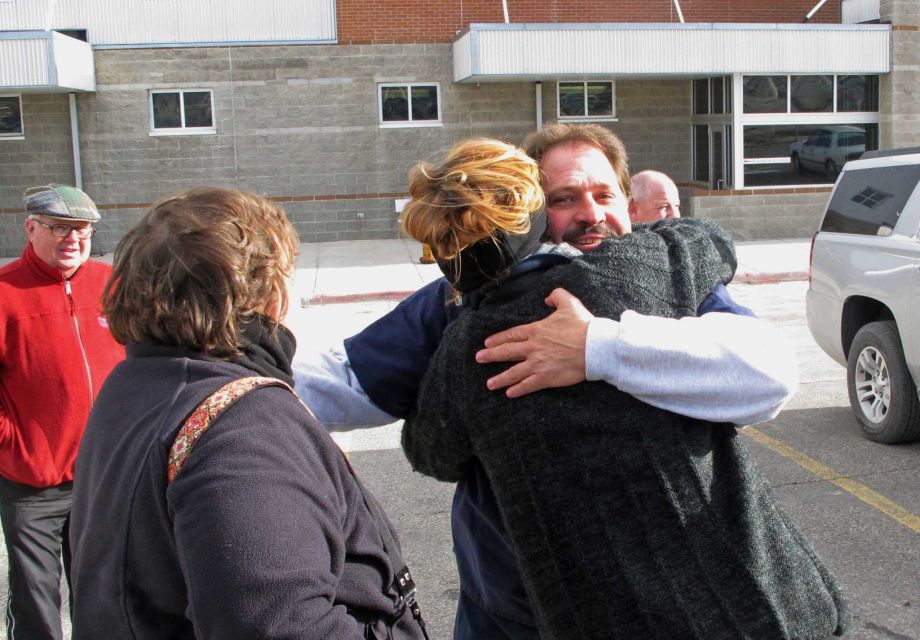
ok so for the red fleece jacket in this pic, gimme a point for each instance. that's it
(55, 351)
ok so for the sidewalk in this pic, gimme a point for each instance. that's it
(364, 270)
(368, 270)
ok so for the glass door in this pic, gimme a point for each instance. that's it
(716, 157)
(720, 156)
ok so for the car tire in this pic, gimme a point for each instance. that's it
(830, 168)
(796, 164)
(882, 393)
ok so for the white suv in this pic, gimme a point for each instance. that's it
(863, 301)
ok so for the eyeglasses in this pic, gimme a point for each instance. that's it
(63, 230)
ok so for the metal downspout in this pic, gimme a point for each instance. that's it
(75, 140)
(539, 105)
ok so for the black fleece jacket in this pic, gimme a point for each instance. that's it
(263, 534)
(628, 521)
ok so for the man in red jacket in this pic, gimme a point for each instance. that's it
(55, 352)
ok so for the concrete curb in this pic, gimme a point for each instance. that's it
(345, 298)
(397, 296)
(769, 278)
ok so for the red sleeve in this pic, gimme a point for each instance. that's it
(6, 425)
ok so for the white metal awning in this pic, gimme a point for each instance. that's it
(45, 61)
(510, 52)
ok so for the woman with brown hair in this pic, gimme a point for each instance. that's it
(626, 520)
(209, 502)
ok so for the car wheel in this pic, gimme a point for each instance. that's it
(882, 394)
(796, 163)
(830, 168)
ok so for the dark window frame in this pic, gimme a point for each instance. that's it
(586, 115)
(183, 128)
(870, 87)
(13, 134)
(410, 120)
(871, 82)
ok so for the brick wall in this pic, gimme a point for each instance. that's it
(402, 21)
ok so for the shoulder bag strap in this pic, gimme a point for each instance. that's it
(204, 416)
(215, 404)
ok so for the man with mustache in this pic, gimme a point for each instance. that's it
(724, 367)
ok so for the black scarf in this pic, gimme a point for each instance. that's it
(491, 258)
(267, 352)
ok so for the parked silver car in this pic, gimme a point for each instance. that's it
(863, 301)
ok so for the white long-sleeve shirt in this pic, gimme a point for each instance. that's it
(719, 367)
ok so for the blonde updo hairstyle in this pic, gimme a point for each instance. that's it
(483, 187)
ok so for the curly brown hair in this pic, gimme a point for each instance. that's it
(483, 186)
(196, 266)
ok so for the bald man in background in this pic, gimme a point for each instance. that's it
(654, 197)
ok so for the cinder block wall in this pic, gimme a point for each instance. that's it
(761, 215)
(900, 89)
(299, 124)
(654, 124)
(653, 121)
(44, 155)
(12, 234)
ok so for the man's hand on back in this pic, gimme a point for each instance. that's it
(549, 353)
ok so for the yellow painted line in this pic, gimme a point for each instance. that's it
(861, 491)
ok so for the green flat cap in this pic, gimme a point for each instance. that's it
(60, 201)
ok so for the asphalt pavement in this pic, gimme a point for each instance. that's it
(338, 289)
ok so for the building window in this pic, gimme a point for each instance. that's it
(717, 95)
(765, 94)
(11, 117)
(586, 101)
(802, 129)
(810, 94)
(701, 96)
(803, 153)
(857, 93)
(182, 111)
(701, 152)
(712, 140)
(712, 96)
(409, 104)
